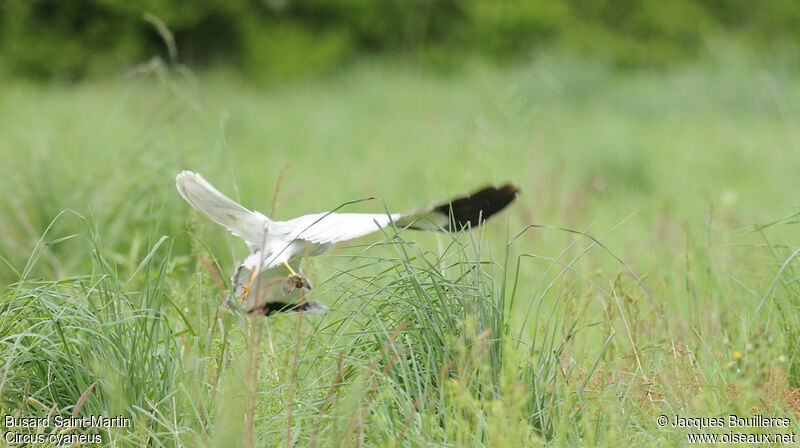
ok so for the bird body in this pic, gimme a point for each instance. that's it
(275, 245)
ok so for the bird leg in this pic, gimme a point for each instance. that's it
(246, 288)
(291, 271)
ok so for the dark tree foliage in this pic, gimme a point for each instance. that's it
(70, 39)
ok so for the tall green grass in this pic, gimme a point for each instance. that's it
(418, 349)
(421, 347)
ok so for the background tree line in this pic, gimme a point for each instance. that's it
(70, 39)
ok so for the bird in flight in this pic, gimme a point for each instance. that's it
(276, 245)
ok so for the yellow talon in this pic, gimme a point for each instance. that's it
(246, 288)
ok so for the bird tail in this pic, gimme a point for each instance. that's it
(205, 198)
(461, 212)
(289, 307)
(269, 308)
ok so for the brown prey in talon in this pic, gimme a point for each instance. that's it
(293, 281)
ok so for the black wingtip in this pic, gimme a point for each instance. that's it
(478, 206)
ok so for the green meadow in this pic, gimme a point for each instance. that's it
(649, 267)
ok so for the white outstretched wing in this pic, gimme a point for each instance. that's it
(248, 225)
(466, 211)
(324, 228)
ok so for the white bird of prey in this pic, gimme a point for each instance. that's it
(275, 245)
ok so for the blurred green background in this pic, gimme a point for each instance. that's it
(602, 112)
(274, 39)
(668, 130)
